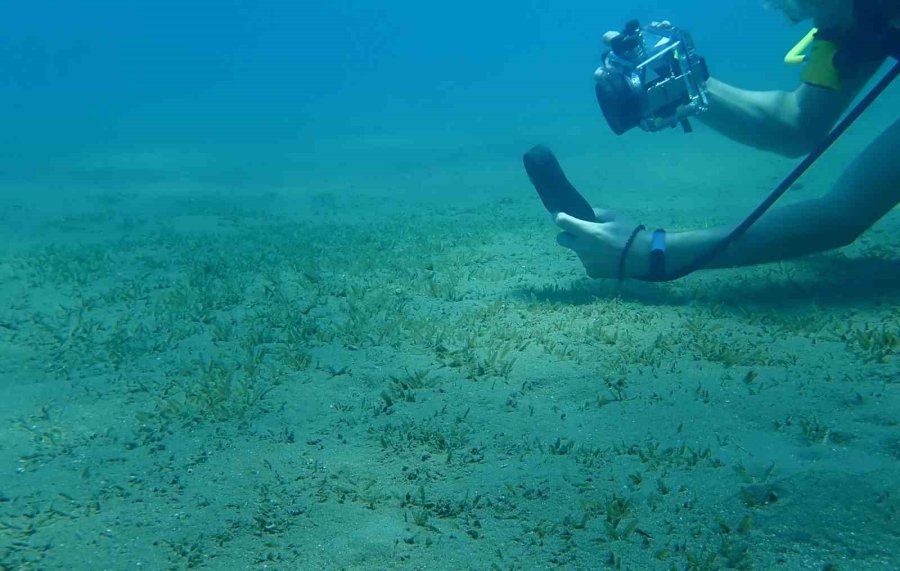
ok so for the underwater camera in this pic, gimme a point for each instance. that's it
(651, 78)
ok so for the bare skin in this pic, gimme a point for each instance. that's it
(788, 123)
(866, 191)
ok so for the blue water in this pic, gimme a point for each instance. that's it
(275, 293)
(306, 77)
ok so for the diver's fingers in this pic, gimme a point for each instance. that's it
(661, 24)
(608, 37)
(571, 224)
(603, 215)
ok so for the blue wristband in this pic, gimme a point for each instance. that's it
(658, 255)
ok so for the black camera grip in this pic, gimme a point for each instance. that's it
(555, 190)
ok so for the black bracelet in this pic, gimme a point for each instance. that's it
(627, 247)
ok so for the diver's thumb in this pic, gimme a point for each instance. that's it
(570, 224)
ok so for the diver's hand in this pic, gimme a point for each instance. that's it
(599, 244)
(611, 35)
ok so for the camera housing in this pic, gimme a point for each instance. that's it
(651, 77)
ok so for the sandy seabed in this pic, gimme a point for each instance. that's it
(337, 381)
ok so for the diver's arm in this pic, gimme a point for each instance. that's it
(789, 123)
(866, 191)
(763, 119)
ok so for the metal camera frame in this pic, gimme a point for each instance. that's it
(684, 82)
